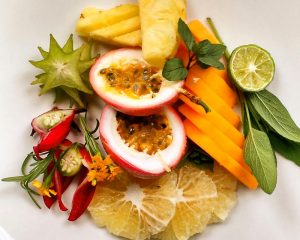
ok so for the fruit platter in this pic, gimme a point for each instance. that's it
(161, 119)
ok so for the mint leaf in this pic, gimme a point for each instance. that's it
(207, 62)
(272, 111)
(174, 70)
(208, 54)
(186, 34)
(260, 157)
(201, 48)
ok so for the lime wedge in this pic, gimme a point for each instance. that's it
(251, 68)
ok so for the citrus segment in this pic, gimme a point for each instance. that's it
(194, 190)
(226, 187)
(251, 68)
(135, 209)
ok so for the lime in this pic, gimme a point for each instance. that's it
(251, 67)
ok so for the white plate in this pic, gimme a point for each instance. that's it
(24, 25)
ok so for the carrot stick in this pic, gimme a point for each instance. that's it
(215, 82)
(216, 103)
(223, 141)
(234, 167)
(193, 111)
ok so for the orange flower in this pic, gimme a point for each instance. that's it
(43, 190)
(101, 170)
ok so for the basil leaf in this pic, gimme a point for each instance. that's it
(272, 111)
(174, 70)
(260, 157)
(186, 34)
(288, 149)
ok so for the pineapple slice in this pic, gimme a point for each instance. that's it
(131, 39)
(88, 23)
(117, 29)
(120, 26)
(88, 11)
(159, 19)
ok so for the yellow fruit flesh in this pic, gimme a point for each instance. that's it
(195, 191)
(117, 29)
(134, 209)
(226, 187)
(159, 20)
(106, 18)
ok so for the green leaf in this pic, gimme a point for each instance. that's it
(174, 70)
(186, 34)
(13, 179)
(260, 157)
(211, 62)
(272, 111)
(208, 54)
(288, 149)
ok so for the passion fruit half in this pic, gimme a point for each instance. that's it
(124, 80)
(145, 146)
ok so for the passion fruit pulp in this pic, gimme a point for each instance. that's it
(124, 80)
(144, 146)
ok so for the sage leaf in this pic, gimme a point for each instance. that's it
(186, 34)
(174, 70)
(260, 157)
(272, 111)
(288, 149)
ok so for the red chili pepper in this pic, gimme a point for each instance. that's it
(49, 200)
(60, 183)
(53, 127)
(85, 191)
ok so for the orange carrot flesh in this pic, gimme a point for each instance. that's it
(218, 137)
(215, 119)
(215, 82)
(234, 167)
(201, 33)
(216, 103)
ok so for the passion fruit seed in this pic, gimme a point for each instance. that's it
(71, 162)
(134, 80)
(145, 134)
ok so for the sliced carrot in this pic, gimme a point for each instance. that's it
(216, 103)
(214, 118)
(201, 32)
(219, 138)
(215, 82)
(234, 167)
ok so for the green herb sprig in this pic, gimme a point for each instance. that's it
(268, 127)
(39, 167)
(203, 53)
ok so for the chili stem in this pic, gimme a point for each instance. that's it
(194, 99)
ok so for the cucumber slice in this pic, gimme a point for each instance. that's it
(71, 161)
